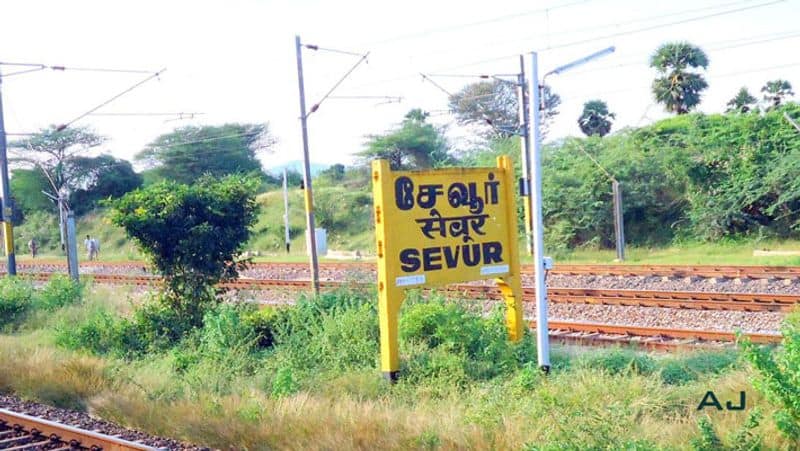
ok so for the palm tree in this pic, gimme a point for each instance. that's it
(742, 103)
(676, 87)
(776, 91)
(595, 119)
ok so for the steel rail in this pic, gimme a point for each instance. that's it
(652, 334)
(23, 432)
(698, 300)
(724, 271)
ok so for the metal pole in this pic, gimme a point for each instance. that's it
(619, 227)
(286, 210)
(5, 191)
(62, 225)
(542, 337)
(72, 247)
(525, 161)
(309, 198)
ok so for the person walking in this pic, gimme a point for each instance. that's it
(33, 246)
(87, 243)
(95, 248)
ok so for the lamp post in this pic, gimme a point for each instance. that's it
(542, 338)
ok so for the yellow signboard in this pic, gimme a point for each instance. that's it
(439, 227)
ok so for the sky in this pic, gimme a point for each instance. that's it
(234, 61)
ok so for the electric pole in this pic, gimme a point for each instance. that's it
(308, 196)
(525, 161)
(286, 211)
(619, 225)
(535, 199)
(5, 191)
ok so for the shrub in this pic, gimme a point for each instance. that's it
(620, 361)
(480, 343)
(779, 376)
(15, 300)
(59, 291)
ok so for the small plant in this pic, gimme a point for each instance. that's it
(779, 376)
(619, 361)
(284, 383)
(15, 300)
(59, 291)
(743, 439)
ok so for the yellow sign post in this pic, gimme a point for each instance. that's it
(439, 227)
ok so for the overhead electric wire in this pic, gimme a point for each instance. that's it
(418, 34)
(635, 31)
(67, 124)
(75, 68)
(316, 106)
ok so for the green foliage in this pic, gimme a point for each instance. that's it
(578, 196)
(187, 153)
(60, 291)
(676, 87)
(742, 440)
(333, 331)
(414, 144)
(153, 327)
(42, 226)
(779, 376)
(56, 152)
(459, 345)
(620, 361)
(776, 92)
(742, 103)
(192, 235)
(493, 107)
(284, 383)
(677, 371)
(16, 296)
(100, 178)
(595, 118)
(27, 186)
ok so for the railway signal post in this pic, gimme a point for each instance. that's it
(5, 192)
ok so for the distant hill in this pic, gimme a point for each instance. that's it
(297, 166)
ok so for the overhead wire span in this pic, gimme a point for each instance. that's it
(316, 106)
(67, 124)
(635, 31)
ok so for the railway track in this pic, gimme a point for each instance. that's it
(705, 271)
(649, 337)
(575, 332)
(698, 300)
(24, 432)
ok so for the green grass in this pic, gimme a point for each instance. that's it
(315, 385)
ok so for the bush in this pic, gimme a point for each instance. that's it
(15, 300)
(153, 327)
(677, 371)
(620, 361)
(779, 376)
(59, 291)
(458, 335)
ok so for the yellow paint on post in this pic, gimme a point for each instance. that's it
(439, 227)
(8, 237)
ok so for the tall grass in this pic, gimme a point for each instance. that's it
(306, 378)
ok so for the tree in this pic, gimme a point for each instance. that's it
(595, 119)
(27, 186)
(413, 144)
(494, 106)
(187, 153)
(100, 178)
(677, 87)
(54, 153)
(776, 92)
(742, 103)
(192, 234)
